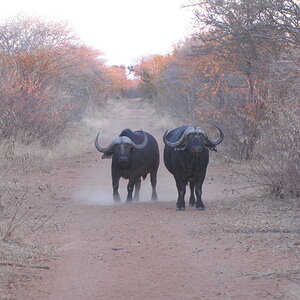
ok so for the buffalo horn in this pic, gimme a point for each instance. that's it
(201, 130)
(180, 140)
(119, 140)
(143, 144)
(219, 139)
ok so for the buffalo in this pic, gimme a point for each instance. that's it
(186, 156)
(134, 155)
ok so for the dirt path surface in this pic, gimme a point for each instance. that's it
(235, 249)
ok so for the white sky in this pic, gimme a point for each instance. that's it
(124, 30)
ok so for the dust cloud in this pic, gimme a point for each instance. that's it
(102, 195)
(94, 196)
(99, 192)
(95, 187)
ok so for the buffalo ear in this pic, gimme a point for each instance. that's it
(107, 154)
(210, 146)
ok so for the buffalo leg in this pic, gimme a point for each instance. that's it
(192, 196)
(115, 183)
(130, 187)
(181, 188)
(137, 187)
(198, 189)
(153, 184)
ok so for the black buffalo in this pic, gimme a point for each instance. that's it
(186, 157)
(134, 155)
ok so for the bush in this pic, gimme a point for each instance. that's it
(48, 79)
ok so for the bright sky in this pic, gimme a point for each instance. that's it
(124, 30)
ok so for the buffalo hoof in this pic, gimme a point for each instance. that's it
(192, 201)
(154, 196)
(117, 199)
(180, 208)
(201, 208)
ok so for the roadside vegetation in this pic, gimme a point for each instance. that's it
(53, 92)
(240, 69)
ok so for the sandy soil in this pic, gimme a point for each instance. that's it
(238, 248)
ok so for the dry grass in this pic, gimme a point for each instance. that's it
(272, 225)
(24, 197)
(19, 263)
(21, 221)
(255, 225)
(74, 141)
(162, 120)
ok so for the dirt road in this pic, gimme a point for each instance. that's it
(235, 249)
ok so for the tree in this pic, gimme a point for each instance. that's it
(248, 34)
(149, 70)
(26, 34)
(246, 37)
(48, 78)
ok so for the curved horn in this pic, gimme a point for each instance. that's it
(219, 139)
(201, 130)
(143, 144)
(101, 149)
(179, 141)
(121, 139)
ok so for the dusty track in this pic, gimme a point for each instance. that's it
(150, 251)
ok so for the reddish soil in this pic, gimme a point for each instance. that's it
(238, 248)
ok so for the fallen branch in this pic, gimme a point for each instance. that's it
(272, 275)
(14, 264)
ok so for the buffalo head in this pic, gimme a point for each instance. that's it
(194, 140)
(120, 149)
